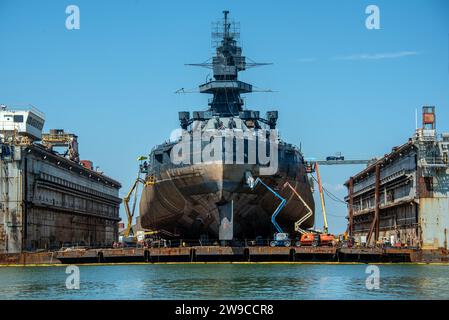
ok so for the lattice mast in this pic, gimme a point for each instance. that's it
(226, 64)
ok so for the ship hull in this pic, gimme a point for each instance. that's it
(187, 200)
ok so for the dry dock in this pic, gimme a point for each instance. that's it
(397, 208)
(213, 254)
(403, 198)
(49, 198)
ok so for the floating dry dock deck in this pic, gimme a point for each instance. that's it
(227, 254)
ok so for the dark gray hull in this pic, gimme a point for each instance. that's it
(212, 198)
(186, 199)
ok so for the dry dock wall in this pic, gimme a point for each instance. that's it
(213, 254)
(48, 201)
(398, 203)
(403, 198)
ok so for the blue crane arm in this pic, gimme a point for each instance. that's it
(278, 209)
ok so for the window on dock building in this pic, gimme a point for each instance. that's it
(18, 118)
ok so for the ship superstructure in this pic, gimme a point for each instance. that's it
(203, 179)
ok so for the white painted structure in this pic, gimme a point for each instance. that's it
(27, 123)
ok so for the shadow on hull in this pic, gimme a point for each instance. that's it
(187, 201)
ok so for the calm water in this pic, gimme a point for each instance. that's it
(227, 281)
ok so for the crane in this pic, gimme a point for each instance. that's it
(312, 165)
(315, 238)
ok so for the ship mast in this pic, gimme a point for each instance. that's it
(226, 24)
(226, 64)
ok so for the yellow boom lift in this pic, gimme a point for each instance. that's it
(306, 216)
(130, 213)
(134, 190)
(323, 206)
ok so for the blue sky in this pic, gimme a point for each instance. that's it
(339, 86)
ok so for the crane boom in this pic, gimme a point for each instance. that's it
(129, 213)
(340, 162)
(323, 205)
(306, 216)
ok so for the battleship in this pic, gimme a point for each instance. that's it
(217, 199)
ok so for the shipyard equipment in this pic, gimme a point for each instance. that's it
(134, 190)
(201, 190)
(59, 138)
(306, 216)
(312, 166)
(311, 163)
(337, 157)
(323, 205)
(126, 199)
(281, 239)
(314, 238)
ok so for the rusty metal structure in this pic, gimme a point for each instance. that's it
(47, 199)
(59, 138)
(403, 198)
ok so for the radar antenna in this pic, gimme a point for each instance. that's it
(225, 34)
(225, 87)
